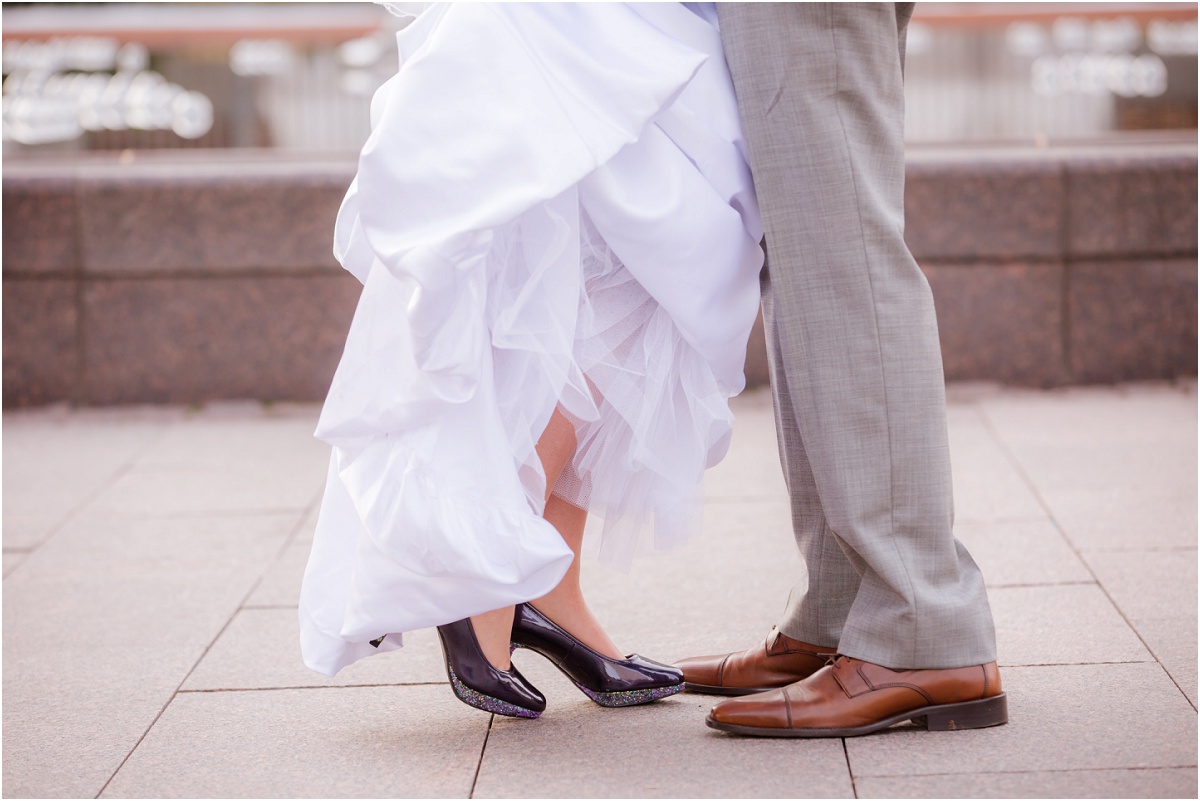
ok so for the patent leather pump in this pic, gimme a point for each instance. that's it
(480, 684)
(607, 681)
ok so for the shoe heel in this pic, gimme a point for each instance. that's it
(968, 715)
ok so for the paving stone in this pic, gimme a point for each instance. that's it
(987, 486)
(55, 460)
(102, 623)
(1173, 643)
(250, 488)
(723, 591)
(1064, 624)
(281, 584)
(97, 546)
(12, 560)
(1126, 468)
(228, 435)
(309, 526)
(578, 749)
(132, 603)
(1126, 519)
(1116, 468)
(1128, 783)
(1149, 584)
(1140, 436)
(751, 468)
(1022, 552)
(1060, 718)
(261, 649)
(376, 742)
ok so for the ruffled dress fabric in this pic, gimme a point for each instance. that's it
(553, 210)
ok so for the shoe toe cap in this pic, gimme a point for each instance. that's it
(762, 710)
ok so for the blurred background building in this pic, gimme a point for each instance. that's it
(299, 76)
(172, 171)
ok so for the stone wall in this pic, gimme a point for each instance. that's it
(1060, 265)
(168, 278)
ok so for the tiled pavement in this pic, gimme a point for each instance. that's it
(152, 559)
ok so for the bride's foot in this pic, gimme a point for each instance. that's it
(478, 683)
(609, 681)
(570, 612)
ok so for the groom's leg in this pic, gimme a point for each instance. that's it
(820, 601)
(821, 97)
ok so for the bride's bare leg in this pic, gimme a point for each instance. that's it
(565, 604)
(493, 629)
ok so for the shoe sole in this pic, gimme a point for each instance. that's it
(630, 697)
(712, 689)
(487, 703)
(945, 717)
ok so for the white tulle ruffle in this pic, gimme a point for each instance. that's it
(553, 211)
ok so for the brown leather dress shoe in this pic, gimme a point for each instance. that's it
(850, 697)
(778, 661)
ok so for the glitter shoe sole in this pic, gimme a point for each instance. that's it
(486, 702)
(630, 697)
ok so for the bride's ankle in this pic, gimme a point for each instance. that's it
(493, 631)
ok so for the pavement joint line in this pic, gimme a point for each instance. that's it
(849, 768)
(1042, 584)
(1028, 480)
(1153, 661)
(479, 765)
(300, 519)
(744, 498)
(313, 687)
(260, 512)
(988, 521)
(1151, 549)
(1021, 772)
(305, 514)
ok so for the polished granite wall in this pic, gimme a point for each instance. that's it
(1059, 266)
(165, 278)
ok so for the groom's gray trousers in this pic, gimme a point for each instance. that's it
(856, 367)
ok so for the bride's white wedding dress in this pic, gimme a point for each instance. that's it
(553, 210)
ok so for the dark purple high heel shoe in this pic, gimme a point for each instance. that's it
(480, 684)
(607, 681)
